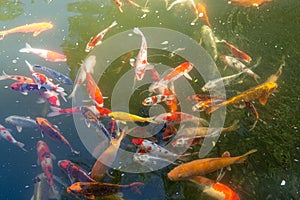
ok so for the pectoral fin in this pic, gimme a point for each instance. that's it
(36, 33)
(19, 129)
(187, 76)
(263, 99)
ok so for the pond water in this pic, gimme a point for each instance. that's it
(268, 32)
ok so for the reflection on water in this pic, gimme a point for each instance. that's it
(270, 32)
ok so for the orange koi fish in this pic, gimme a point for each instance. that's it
(106, 159)
(91, 190)
(17, 78)
(96, 40)
(248, 3)
(36, 28)
(180, 70)
(201, 13)
(46, 54)
(93, 90)
(237, 53)
(204, 166)
(214, 189)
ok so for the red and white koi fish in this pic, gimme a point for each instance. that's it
(237, 53)
(60, 111)
(46, 54)
(52, 132)
(16, 78)
(239, 66)
(178, 117)
(42, 80)
(141, 63)
(181, 70)
(45, 158)
(52, 97)
(96, 40)
(214, 189)
(154, 100)
(87, 66)
(36, 28)
(7, 136)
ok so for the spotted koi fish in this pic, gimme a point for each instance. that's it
(5, 134)
(16, 78)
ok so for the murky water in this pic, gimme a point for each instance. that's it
(270, 32)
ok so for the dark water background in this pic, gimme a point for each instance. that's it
(269, 32)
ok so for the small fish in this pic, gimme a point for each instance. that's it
(52, 132)
(25, 87)
(91, 190)
(141, 63)
(106, 159)
(215, 190)
(42, 80)
(204, 166)
(36, 28)
(124, 116)
(87, 66)
(20, 122)
(201, 13)
(248, 3)
(96, 40)
(8, 136)
(236, 64)
(55, 74)
(45, 158)
(17, 78)
(214, 85)
(46, 54)
(237, 53)
(179, 117)
(74, 172)
(154, 100)
(204, 104)
(209, 40)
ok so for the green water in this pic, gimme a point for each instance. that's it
(270, 32)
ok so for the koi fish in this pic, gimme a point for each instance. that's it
(214, 189)
(175, 3)
(181, 70)
(55, 74)
(51, 97)
(106, 159)
(93, 90)
(74, 172)
(209, 40)
(201, 13)
(203, 105)
(43, 80)
(248, 3)
(16, 78)
(119, 4)
(204, 166)
(237, 53)
(52, 132)
(96, 40)
(141, 63)
(91, 190)
(87, 66)
(20, 122)
(148, 161)
(91, 118)
(213, 85)
(59, 111)
(45, 158)
(36, 28)
(123, 116)
(178, 117)
(42, 189)
(46, 54)
(154, 100)
(8, 136)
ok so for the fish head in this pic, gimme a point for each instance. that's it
(89, 46)
(47, 26)
(180, 142)
(176, 174)
(64, 164)
(147, 102)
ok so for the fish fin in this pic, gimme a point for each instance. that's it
(36, 33)
(149, 66)
(24, 93)
(60, 89)
(63, 94)
(187, 76)
(234, 126)
(263, 100)
(212, 109)
(55, 111)
(21, 145)
(225, 67)
(40, 100)
(29, 66)
(26, 49)
(2, 34)
(253, 126)
(75, 152)
(88, 124)
(114, 23)
(19, 129)
(53, 193)
(42, 134)
(243, 158)
(53, 157)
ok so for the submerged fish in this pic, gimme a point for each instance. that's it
(248, 3)
(124, 116)
(42, 189)
(16, 78)
(7, 136)
(237, 53)
(36, 28)
(204, 166)
(20, 122)
(55, 74)
(209, 40)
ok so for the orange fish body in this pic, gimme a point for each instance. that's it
(201, 13)
(180, 70)
(248, 3)
(204, 166)
(36, 28)
(93, 90)
(215, 189)
(238, 53)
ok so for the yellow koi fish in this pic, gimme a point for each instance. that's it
(123, 116)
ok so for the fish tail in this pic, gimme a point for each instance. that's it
(53, 193)
(73, 92)
(63, 94)
(137, 31)
(60, 89)
(4, 76)
(2, 34)
(74, 151)
(135, 187)
(27, 49)
(244, 157)
(21, 145)
(234, 126)
(113, 24)
(55, 111)
(256, 77)
(29, 66)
